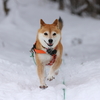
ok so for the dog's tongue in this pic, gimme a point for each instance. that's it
(50, 44)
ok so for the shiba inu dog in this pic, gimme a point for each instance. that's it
(48, 49)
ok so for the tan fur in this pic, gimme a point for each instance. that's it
(41, 61)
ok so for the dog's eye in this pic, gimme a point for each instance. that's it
(54, 34)
(45, 34)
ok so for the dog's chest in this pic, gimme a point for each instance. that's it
(45, 58)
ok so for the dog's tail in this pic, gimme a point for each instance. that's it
(60, 23)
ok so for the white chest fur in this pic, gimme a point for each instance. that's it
(45, 58)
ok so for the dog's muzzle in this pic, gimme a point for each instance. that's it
(50, 42)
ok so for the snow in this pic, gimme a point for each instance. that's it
(81, 60)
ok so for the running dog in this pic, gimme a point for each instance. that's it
(48, 50)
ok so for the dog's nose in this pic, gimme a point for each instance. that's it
(50, 41)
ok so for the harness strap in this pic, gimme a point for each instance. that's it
(39, 51)
(49, 51)
(52, 53)
(53, 60)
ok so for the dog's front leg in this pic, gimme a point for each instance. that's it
(53, 69)
(41, 73)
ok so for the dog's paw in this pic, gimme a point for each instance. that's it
(57, 72)
(50, 78)
(43, 86)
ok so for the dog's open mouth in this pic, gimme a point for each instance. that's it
(49, 44)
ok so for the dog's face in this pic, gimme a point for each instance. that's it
(49, 35)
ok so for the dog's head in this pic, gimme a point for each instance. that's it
(49, 35)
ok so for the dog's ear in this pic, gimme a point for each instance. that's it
(42, 23)
(56, 23)
(60, 23)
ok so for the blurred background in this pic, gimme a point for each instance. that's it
(78, 7)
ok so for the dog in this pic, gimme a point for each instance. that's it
(48, 49)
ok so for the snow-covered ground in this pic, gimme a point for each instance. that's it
(80, 69)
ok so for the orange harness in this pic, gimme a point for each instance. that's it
(43, 52)
(39, 51)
